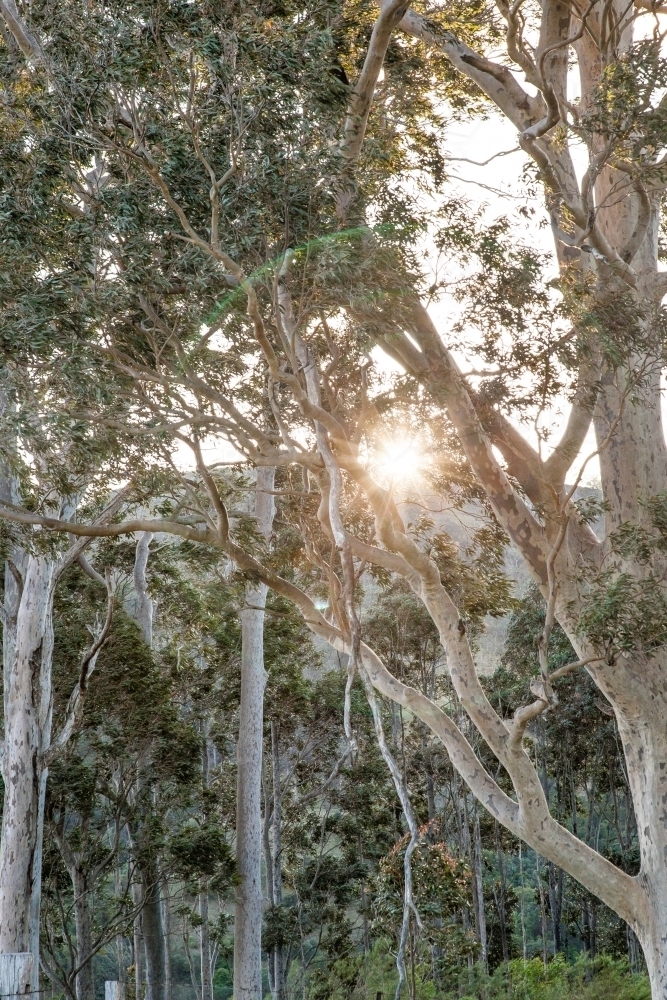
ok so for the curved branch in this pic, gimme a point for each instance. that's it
(361, 99)
(496, 81)
(448, 387)
(529, 818)
(22, 516)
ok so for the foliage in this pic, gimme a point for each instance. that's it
(584, 980)
(441, 891)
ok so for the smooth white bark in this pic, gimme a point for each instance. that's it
(156, 945)
(249, 902)
(16, 974)
(114, 990)
(277, 957)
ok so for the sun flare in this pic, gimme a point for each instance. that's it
(399, 459)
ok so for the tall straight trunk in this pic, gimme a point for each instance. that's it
(268, 861)
(27, 661)
(277, 957)
(556, 903)
(137, 943)
(166, 921)
(479, 890)
(84, 985)
(502, 896)
(204, 930)
(586, 927)
(152, 918)
(430, 797)
(205, 945)
(152, 926)
(248, 910)
(543, 910)
(120, 939)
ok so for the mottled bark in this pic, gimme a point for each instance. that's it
(27, 713)
(16, 974)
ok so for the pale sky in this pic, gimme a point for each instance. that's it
(497, 186)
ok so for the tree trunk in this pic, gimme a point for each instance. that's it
(205, 945)
(543, 909)
(248, 910)
(555, 904)
(166, 921)
(152, 922)
(205, 962)
(633, 950)
(84, 985)
(502, 895)
(27, 659)
(277, 958)
(430, 797)
(479, 890)
(16, 974)
(137, 943)
(120, 939)
(153, 934)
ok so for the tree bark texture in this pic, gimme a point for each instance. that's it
(16, 974)
(249, 903)
(478, 869)
(27, 712)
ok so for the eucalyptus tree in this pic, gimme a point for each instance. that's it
(32, 574)
(282, 369)
(254, 65)
(34, 453)
(132, 759)
(249, 901)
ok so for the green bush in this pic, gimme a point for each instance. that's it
(602, 979)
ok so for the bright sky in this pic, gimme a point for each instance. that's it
(496, 186)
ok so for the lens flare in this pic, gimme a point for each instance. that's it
(399, 460)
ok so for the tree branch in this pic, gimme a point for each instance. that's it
(76, 700)
(24, 38)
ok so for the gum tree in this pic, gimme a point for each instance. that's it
(281, 369)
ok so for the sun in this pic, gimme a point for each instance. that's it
(399, 459)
